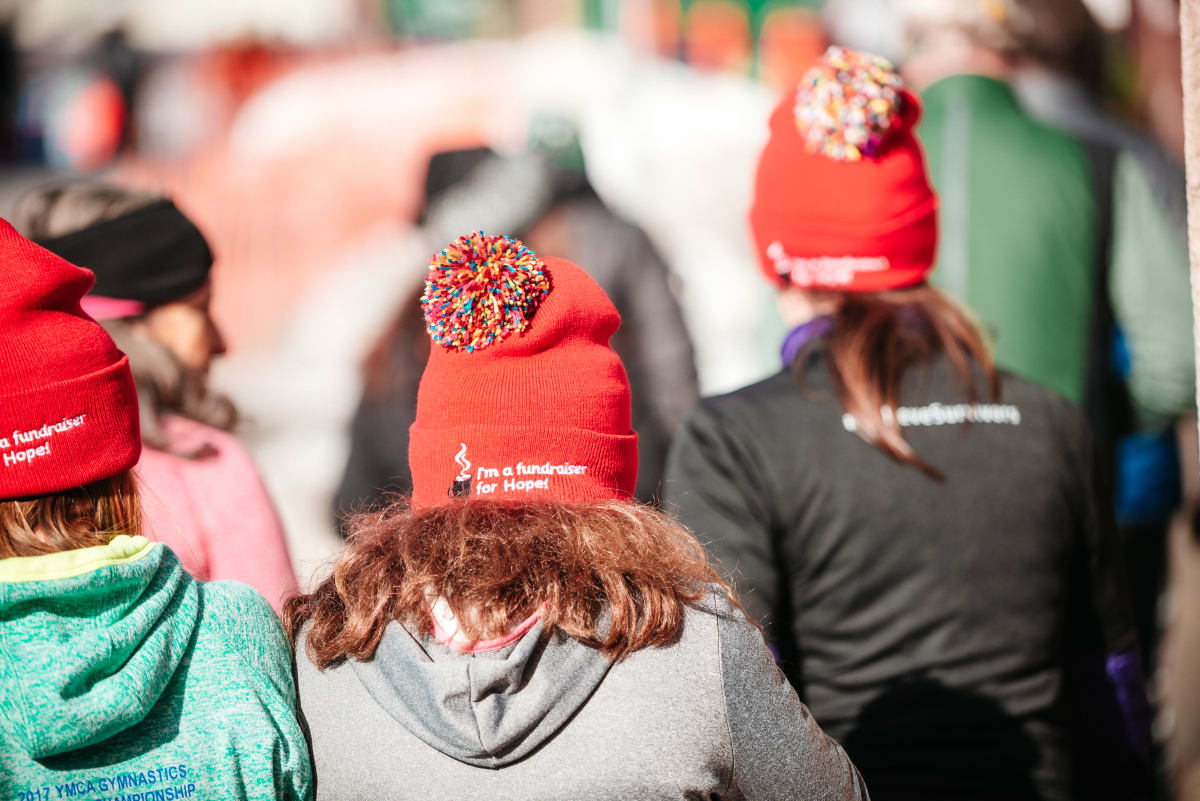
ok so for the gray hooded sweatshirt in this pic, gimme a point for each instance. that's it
(546, 717)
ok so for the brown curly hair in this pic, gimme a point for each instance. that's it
(615, 576)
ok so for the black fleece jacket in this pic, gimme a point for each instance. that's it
(929, 625)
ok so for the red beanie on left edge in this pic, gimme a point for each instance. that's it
(68, 408)
(523, 398)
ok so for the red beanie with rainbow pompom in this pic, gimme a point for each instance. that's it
(68, 407)
(842, 199)
(523, 398)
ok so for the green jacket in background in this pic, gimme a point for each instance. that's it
(1019, 232)
(122, 677)
(1017, 228)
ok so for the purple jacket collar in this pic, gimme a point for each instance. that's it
(801, 335)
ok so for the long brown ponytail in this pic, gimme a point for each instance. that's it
(878, 336)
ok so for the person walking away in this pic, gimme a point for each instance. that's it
(918, 533)
(522, 629)
(1058, 81)
(545, 197)
(1069, 245)
(152, 294)
(121, 676)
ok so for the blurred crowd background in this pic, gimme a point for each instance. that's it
(303, 136)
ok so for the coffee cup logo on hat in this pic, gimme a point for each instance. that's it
(462, 482)
(842, 201)
(523, 398)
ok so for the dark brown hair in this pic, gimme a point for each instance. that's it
(54, 210)
(495, 562)
(877, 337)
(80, 517)
(165, 385)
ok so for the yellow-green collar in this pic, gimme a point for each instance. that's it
(66, 564)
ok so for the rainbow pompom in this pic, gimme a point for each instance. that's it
(847, 103)
(480, 289)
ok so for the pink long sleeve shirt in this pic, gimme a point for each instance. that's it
(214, 511)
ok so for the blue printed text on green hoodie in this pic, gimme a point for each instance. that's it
(122, 677)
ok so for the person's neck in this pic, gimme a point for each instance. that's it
(928, 67)
(799, 306)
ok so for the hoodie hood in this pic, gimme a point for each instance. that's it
(90, 639)
(487, 709)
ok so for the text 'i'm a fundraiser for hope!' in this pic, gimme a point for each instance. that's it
(24, 447)
(523, 477)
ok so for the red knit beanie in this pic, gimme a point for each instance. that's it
(68, 408)
(842, 200)
(522, 398)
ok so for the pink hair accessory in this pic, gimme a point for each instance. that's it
(100, 308)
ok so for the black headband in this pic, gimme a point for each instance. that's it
(153, 254)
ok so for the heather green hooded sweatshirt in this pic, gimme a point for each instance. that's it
(122, 677)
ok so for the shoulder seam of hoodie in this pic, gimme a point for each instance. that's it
(725, 704)
(123, 549)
